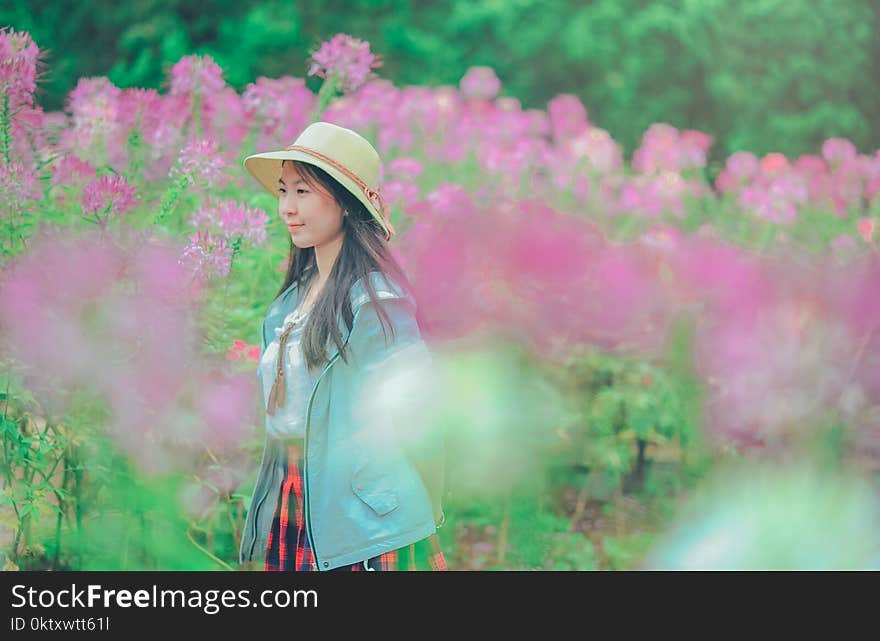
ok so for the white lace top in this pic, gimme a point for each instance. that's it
(290, 419)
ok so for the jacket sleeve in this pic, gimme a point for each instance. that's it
(398, 384)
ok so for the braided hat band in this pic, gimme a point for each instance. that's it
(372, 195)
(343, 153)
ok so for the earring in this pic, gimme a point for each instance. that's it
(345, 213)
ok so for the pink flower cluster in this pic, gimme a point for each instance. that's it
(665, 148)
(19, 73)
(105, 117)
(654, 195)
(346, 61)
(839, 180)
(108, 196)
(231, 220)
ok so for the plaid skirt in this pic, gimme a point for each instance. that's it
(288, 548)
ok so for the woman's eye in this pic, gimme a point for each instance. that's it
(301, 191)
(281, 190)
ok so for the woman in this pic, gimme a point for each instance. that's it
(351, 477)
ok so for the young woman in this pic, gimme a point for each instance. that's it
(351, 478)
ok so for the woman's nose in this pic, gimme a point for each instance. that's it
(287, 209)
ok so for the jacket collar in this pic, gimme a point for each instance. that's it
(384, 286)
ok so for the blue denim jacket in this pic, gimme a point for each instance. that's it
(363, 493)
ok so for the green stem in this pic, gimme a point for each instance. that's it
(207, 552)
(232, 527)
(501, 549)
(5, 126)
(61, 506)
(326, 94)
(767, 235)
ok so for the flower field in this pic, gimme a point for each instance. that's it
(646, 363)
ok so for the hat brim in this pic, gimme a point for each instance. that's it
(266, 168)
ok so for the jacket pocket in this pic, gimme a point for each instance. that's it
(374, 489)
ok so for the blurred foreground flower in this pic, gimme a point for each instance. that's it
(775, 518)
(90, 314)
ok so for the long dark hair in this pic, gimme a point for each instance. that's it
(364, 249)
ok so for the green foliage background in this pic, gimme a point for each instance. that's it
(762, 75)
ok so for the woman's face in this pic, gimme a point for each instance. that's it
(310, 213)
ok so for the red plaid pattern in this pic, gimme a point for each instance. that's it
(288, 547)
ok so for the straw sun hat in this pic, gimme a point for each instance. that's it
(341, 152)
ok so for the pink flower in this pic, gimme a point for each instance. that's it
(449, 198)
(568, 116)
(97, 133)
(196, 75)
(665, 148)
(201, 159)
(207, 255)
(871, 172)
(480, 83)
(404, 168)
(697, 139)
(397, 192)
(740, 168)
(344, 60)
(18, 67)
(253, 353)
(94, 105)
(140, 107)
(238, 345)
(866, 228)
(18, 186)
(108, 195)
(70, 170)
(282, 107)
(838, 151)
(232, 220)
(843, 243)
(772, 164)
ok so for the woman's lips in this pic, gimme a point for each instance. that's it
(295, 227)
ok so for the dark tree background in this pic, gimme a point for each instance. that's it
(763, 75)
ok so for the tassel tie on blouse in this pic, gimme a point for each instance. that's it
(277, 393)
